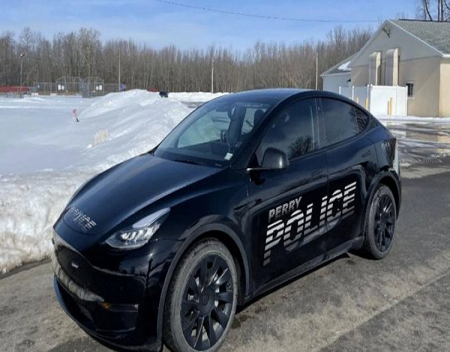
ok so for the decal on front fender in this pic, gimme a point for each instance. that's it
(80, 219)
(299, 229)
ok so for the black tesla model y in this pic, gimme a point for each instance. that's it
(248, 191)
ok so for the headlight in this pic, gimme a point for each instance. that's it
(140, 233)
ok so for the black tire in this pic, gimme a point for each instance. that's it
(380, 224)
(203, 293)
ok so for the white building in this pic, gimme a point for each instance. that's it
(406, 63)
(340, 75)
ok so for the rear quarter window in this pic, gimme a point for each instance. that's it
(342, 120)
(362, 119)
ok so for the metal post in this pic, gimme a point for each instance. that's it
(212, 75)
(21, 66)
(317, 70)
(119, 70)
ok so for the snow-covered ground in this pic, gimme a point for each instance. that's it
(406, 119)
(45, 156)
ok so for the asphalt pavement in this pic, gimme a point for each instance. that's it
(401, 303)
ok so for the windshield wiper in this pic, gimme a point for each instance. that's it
(188, 161)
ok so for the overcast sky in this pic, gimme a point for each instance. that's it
(159, 24)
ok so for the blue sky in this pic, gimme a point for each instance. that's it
(159, 24)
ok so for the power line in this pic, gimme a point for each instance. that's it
(243, 14)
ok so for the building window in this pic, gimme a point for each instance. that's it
(410, 87)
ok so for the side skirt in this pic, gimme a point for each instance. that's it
(330, 255)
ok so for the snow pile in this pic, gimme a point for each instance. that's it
(45, 156)
(29, 206)
(128, 124)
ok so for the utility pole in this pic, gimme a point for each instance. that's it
(119, 71)
(21, 66)
(317, 70)
(212, 75)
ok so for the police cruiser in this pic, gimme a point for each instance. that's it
(247, 192)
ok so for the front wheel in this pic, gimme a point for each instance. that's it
(202, 298)
(380, 224)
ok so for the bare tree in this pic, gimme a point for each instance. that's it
(426, 8)
(437, 10)
(83, 54)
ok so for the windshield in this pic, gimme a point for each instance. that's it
(213, 133)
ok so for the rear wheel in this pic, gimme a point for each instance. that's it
(380, 224)
(202, 298)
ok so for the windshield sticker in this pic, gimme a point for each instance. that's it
(228, 156)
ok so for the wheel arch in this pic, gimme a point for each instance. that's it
(394, 185)
(231, 240)
(386, 178)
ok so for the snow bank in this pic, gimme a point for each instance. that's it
(29, 206)
(45, 156)
(130, 123)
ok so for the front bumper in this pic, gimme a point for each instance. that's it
(114, 297)
(91, 310)
(85, 316)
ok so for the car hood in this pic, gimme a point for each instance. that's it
(113, 196)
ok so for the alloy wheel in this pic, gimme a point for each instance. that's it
(384, 223)
(207, 303)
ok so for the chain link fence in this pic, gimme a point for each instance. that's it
(69, 85)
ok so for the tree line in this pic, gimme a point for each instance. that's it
(83, 54)
(434, 10)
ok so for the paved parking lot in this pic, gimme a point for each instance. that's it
(351, 304)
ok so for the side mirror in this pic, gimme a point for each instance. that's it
(273, 159)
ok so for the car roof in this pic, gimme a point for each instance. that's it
(275, 93)
(278, 95)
